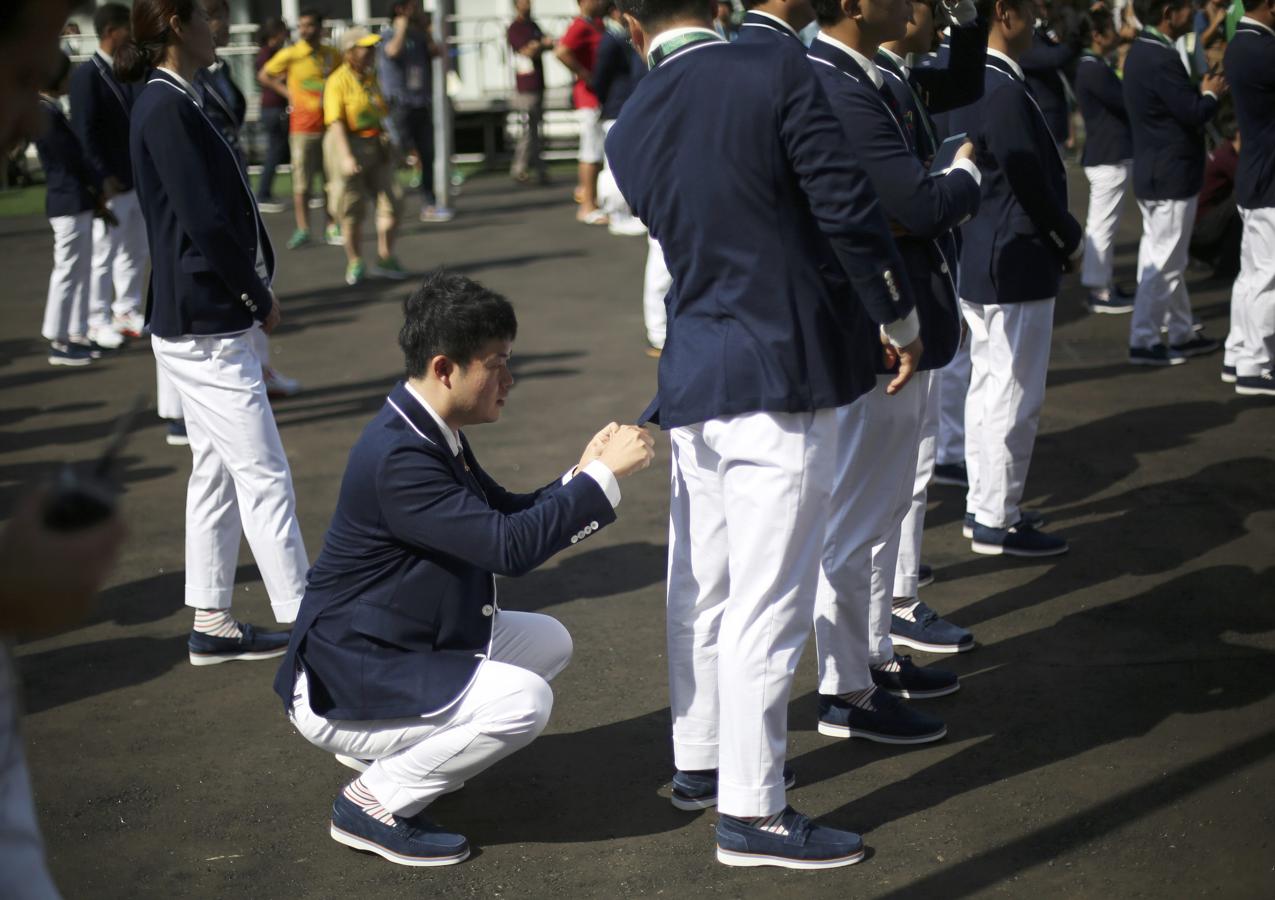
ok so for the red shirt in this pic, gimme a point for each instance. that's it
(582, 39)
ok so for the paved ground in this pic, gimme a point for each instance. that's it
(1114, 735)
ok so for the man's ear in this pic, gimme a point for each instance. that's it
(636, 35)
(850, 9)
(443, 369)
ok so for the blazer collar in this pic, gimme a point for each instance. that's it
(405, 404)
(832, 51)
(1248, 22)
(890, 60)
(755, 18)
(1002, 63)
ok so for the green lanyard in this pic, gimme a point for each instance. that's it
(672, 45)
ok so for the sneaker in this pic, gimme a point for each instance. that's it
(924, 576)
(929, 632)
(277, 384)
(626, 226)
(68, 355)
(1018, 540)
(177, 436)
(131, 324)
(1228, 374)
(1159, 355)
(206, 650)
(355, 272)
(1197, 346)
(1111, 304)
(271, 206)
(697, 789)
(1256, 385)
(389, 268)
(106, 337)
(94, 351)
(1028, 517)
(888, 722)
(299, 238)
(332, 235)
(953, 474)
(805, 845)
(316, 203)
(409, 841)
(437, 214)
(915, 683)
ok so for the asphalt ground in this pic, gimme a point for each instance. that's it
(1115, 734)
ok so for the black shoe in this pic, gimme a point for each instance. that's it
(887, 722)
(804, 846)
(1158, 355)
(953, 474)
(1197, 346)
(914, 683)
(206, 650)
(1256, 385)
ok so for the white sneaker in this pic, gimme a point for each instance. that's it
(316, 203)
(130, 325)
(437, 214)
(626, 226)
(106, 337)
(271, 206)
(278, 384)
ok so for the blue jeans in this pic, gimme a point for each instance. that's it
(274, 122)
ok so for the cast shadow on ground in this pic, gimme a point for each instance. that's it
(604, 572)
(17, 479)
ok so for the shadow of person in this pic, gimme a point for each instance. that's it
(53, 678)
(604, 572)
(1098, 676)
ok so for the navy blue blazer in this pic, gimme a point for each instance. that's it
(762, 212)
(1101, 100)
(224, 104)
(616, 72)
(1167, 114)
(398, 607)
(71, 186)
(1045, 65)
(100, 110)
(1250, 69)
(1015, 248)
(202, 221)
(928, 208)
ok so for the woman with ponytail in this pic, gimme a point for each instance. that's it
(211, 269)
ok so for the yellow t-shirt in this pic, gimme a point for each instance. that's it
(306, 70)
(355, 100)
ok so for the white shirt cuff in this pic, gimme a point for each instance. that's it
(1209, 94)
(966, 165)
(902, 332)
(598, 471)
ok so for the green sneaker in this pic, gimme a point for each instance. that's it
(333, 235)
(355, 272)
(389, 268)
(299, 238)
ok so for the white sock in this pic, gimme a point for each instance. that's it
(217, 622)
(905, 608)
(773, 824)
(890, 665)
(861, 699)
(361, 797)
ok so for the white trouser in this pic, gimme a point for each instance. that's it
(25, 874)
(504, 709)
(907, 568)
(120, 254)
(746, 529)
(66, 310)
(953, 385)
(239, 479)
(655, 285)
(876, 460)
(1106, 194)
(1009, 357)
(1250, 345)
(1162, 301)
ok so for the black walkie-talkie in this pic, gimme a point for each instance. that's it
(82, 501)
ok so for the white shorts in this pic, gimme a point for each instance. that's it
(591, 134)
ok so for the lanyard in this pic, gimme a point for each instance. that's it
(672, 45)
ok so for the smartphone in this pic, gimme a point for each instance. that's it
(946, 154)
(80, 501)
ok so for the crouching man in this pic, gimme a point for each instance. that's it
(400, 661)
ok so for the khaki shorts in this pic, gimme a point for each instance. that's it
(307, 160)
(348, 197)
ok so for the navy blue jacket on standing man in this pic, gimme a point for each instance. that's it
(616, 72)
(1167, 114)
(1101, 99)
(71, 185)
(224, 104)
(398, 608)
(1045, 66)
(100, 110)
(1015, 248)
(926, 208)
(211, 258)
(1250, 69)
(770, 230)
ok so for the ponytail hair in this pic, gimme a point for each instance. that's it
(144, 50)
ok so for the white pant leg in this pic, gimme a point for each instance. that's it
(1240, 293)
(223, 395)
(776, 472)
(1011, 359)
(698, 586)
(132, 253)
(168, 402)
(505, 707)
(1257, 259)
(1106, 194)
(953, 385)
(907, 568)
(975, 397)
(213, 522)
(66, 308)
(102, 273)
(655, 285)
(1162, 256)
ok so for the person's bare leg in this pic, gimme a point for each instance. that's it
(350, 237)
(385, 231)
(300, 211)
(589, 187)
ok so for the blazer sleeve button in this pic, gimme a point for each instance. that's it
(488, 609)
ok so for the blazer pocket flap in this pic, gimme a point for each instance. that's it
(393, 626)
(193, 262)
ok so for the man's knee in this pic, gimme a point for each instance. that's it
(530, 704)
(558, 647)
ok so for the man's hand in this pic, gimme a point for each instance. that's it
(111, 187)
(966, 151)
(48, 578)
(596, 446)
(906, 358)
(629, 449)
(101, 211)
(1213, 83)
(350, 166)
(274, 317)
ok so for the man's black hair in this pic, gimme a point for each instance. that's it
(311, 13)
(987, 9)
(1251, 5)
(1097, 21)
(452, 316)
(650, 12)
(110, 15)
(827, 12)
(1152, 12)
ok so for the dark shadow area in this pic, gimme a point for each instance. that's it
(16, 414)
(604, 572)
(68, 674)
(16, 479)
